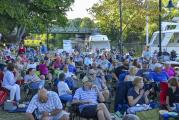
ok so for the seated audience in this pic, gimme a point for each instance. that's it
(160, 78)
(136, 63)
(121, 69)
(144, 72)
(88, 96)
(48, 105)
(137, 95)
(169, 70)
(173, 93)
(33, 80)
(63, 89)
(132, 74)
(100, 82)
(9, 82)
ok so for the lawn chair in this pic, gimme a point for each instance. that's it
(29, 91)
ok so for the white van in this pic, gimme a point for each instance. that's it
(99, 42)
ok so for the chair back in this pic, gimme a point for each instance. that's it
(121, 93)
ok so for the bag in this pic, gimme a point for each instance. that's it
(152, 114)
(10, 105)
(3, 96)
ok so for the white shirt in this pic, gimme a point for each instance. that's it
(34, 65)
(68, 74)
(62, 88)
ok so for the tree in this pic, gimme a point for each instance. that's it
(18, 16)
(134, 14)
(87, 23)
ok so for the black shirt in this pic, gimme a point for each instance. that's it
(173, 96)
(134, 94)
(120, 69)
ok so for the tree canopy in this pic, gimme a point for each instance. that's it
(134, 12)
(16, 16)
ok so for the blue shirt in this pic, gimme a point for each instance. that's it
(8, 78)
(43, 49)
(145, 73)
(71, 68)
(159, 77)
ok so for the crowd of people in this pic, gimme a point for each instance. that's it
(89, 80)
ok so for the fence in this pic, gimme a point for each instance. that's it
(137, 46)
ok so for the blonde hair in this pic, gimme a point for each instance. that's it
(137, 80)
(132, 70)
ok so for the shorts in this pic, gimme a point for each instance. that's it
(89, 111)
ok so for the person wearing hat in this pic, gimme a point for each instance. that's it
(160, 77)
(88, 96)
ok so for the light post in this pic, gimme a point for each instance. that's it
(169, 6)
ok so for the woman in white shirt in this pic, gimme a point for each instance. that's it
(63, 89)
(9, 82)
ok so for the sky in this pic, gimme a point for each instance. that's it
(80, 9)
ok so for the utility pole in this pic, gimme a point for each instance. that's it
(147, 23)
(160, 28)
(121, 20)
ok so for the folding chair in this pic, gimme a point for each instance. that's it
(75, 113)
(121, 102)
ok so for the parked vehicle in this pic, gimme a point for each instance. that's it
(99, 42)
(169, 37)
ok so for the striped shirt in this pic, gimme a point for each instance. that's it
(86, 95)
(52, 103)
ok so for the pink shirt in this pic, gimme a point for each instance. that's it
(43, 69)
(170, 72)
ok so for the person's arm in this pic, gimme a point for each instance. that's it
(114, 76)
(101, 97)
(146, 97)
(167, 103)
(54, 112)
(126, 78)
(68, 89)
(30, 116)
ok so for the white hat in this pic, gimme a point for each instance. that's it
(158, 65)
